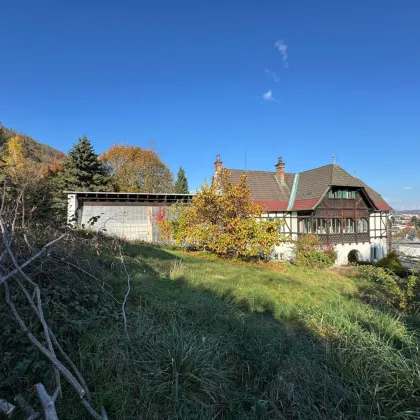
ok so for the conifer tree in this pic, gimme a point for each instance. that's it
(82, 169)
(181, 184)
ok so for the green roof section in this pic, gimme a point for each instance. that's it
(293, 192)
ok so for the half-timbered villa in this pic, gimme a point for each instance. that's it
(327, 201)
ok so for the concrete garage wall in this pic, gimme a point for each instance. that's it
(126, 220)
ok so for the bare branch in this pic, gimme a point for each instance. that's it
(37, 310)
(6, 408)
(92, 412)
(47, 403)
(47, 331)
(91, 276)
(33, 295)
(72, 365)
(30, 260)
(63, 370)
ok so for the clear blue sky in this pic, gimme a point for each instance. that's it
(201, 78)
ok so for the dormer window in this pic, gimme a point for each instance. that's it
(342, 193)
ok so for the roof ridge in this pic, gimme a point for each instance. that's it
(334, 165)
(254, 170)
(351, 176)
(314, 169)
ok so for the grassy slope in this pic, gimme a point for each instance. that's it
(212, 339)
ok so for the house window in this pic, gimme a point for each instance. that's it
(319, 226)
(362, 226)
(335, 225)
(373, 253)
(343, 193)
(349, 226)
(305, 226)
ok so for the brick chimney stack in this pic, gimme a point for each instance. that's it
(218, 165)
(280, 170)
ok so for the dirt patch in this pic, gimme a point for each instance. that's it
(345, 270)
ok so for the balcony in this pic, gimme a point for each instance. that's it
(339, 238)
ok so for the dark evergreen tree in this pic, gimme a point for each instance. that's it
(82, 169)
(181, 184)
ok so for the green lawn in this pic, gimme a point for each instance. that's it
(211, 339)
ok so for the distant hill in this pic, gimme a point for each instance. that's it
(34, 150)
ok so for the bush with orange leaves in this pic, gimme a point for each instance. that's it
(223, 219)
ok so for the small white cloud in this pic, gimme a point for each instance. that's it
(268, 96)
(282, 48)
(408, 188)
(272, 74)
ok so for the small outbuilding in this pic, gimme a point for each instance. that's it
(131, 216)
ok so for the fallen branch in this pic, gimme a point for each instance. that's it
(30, 260)
(47, 403)
(6, 408)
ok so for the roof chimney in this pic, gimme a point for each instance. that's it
(218, 164)
(280, 170)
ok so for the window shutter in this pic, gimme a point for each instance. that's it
(330, 194)
(340, 194)
(353, 194)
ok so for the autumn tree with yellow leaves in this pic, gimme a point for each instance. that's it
(223, 219)
(18, 168)
(26, 180)
(134, 169)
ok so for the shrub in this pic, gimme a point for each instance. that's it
(311, 253)
(390, 290)
(393, 263)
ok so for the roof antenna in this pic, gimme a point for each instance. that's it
(334, 159)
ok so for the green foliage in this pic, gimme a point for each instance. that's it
(392, 263)
(311, 253)
(223, 220)
(181, 184)
(411, 236)
(387, 289)
(82, 169)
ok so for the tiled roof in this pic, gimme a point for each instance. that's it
(267, 190)
(264, 185)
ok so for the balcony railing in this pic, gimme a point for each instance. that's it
(339, 238)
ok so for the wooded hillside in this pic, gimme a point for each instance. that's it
(34, 150)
